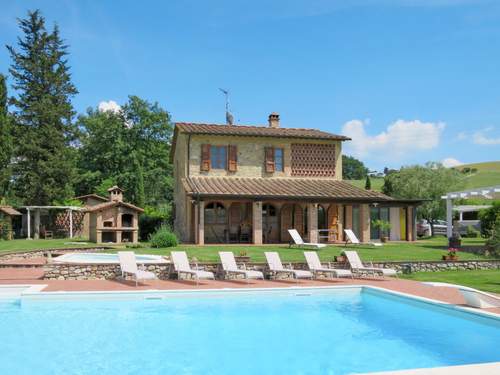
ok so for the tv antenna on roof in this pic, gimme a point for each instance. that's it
(229, 116)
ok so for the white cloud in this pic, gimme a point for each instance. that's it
(481, 138)
(451, 162)
(401, 138)
(461, 136)
(109, 106)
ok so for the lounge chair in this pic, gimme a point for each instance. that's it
(357, 265)
(128, 265)
(181, 266)
(351, 237)
(276, 267)
(229, 267)
(473, 297)
(300, 242)
(316, 267)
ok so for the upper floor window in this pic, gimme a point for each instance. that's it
(278, 159)
(218, 157)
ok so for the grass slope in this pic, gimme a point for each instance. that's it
(487, 280)
(488, 174)
(28, 245)
(377, 183)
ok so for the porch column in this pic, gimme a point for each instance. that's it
(257, 222)
(395, 232)
(365, 222)
(36, 234)
(340, 222)
(200, 230)
(28, 222)
(118, 236)
(312, 221)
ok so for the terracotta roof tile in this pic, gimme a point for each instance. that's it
(256, 131)
(283, 188)
(105, 205)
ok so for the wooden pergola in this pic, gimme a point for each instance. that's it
(36, 213)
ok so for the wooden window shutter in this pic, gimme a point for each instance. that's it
(205, 157)
(232, 163)
(269, 155)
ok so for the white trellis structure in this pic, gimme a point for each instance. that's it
(492, 192)
(35, 210)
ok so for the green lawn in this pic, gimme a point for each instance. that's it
(487, 280)
(23, 245)
(427, 249)
(488, 174)
(376, 182)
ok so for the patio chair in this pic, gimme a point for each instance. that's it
(128, 265)
(229, 267)
(350, 236)
(300, 242)
(316, 267)
(182, 266)
(357, 266)
(276, 267)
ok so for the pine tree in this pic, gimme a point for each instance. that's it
(368, 183)
(5, 139)
(45, 165)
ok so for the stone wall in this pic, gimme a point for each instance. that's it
(65, 271)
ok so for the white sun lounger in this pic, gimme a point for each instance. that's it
(351, 237)
(276, 267)
(128, 265)
(473, 297)
(357, 265)
(316, 267)
(300, 242)
(181, 266)
(230, 267)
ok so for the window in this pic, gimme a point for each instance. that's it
(218, 157)
(278, 159)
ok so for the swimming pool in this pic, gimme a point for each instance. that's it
(291, 331)
(88, 258)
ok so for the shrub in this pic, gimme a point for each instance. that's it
(489, 217)
(493, 243)
(152, 219)
(471, 232)
(163, 237)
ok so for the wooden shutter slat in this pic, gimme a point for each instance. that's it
(233, 158)
(269, 156)
(205, 157)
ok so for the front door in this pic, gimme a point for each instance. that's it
(270, 223)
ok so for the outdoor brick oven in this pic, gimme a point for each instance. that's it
(113, 220)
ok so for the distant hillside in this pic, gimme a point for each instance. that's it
(377, 183)
(485, 174)
(482, 175)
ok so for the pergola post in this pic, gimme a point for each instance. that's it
(449, 217)
(70, 223)
(36, 234)
(28, 214)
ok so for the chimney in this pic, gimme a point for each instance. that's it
(274, 120)
(115, 194)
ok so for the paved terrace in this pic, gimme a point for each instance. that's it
(34, 276)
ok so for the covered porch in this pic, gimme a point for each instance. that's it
(319, 210)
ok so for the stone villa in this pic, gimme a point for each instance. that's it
(250, 184)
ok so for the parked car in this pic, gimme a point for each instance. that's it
(424, 228)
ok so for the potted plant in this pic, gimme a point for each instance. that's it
(452, 254)
(455, 241)
(243, 257)
(340, 258)
(384, 227)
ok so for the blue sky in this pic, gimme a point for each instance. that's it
(409, 80)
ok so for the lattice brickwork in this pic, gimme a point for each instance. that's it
(313, 160)
(61, 222)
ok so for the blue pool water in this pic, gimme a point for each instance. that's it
(292, 332)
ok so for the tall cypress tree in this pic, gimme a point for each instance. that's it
(5, 139)
(44, 130)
